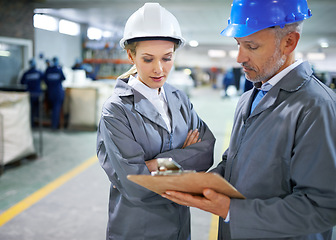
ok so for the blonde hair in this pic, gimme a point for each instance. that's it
(133, 70)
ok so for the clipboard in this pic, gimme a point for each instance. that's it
(189, 182)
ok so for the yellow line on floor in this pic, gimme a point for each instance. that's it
(213, 232)
(44, 191)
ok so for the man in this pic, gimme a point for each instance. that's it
(282, 152)
(32, 78)
(53, 78)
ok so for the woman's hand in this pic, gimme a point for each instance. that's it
(152, 165)
(192, 138)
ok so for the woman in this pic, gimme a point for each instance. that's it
(145, 119)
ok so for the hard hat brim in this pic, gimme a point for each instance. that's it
(238, 31)
(170, 39)
(179, 41)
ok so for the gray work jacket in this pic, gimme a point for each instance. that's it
(283, 159)
(132, 131)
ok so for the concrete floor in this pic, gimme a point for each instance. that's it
(76, 207)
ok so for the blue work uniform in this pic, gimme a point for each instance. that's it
(53, 78)
(32, 79)
(131, 131)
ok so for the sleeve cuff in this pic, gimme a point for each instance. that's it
(227, 219)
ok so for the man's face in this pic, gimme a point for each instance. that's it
(260, 55)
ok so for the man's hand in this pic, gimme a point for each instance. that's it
(192, 138)
(212, 201)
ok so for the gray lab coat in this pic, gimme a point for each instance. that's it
(130, 132)
(283, 159)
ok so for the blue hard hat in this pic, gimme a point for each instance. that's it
(55, 61)
(250, 16)
(78, 61)
(32, 63)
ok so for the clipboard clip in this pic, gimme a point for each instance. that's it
(167, 166)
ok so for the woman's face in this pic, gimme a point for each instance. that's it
(154, 60)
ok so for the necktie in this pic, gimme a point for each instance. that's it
(257, 99)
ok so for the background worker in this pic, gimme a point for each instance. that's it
(32, 78)
(282, 153)
(144, 119)
(53, 78)
(78, 65)
(48, 64)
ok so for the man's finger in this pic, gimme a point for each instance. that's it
(208, 193)
(175, 199)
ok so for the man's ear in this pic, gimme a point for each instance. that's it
(290, 42)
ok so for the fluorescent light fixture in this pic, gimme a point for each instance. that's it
(216, 53)
(69, 28)
(324, 45)
(94, 33)
(193, 43)
(316, 56)
(4, 53)
(233, 53)
(107, 34)
(45, 22)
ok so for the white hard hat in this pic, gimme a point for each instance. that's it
(151, 22)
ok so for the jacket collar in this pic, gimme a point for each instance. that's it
(174, 105)
(145, 108)
(291, 82)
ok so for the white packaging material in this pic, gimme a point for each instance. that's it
(17, 138)
(82, 107)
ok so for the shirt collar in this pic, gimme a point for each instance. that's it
(146, 91)
(275, 79)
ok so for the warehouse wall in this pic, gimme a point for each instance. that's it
(197, 57)
(16, 19)
(16, 36)
(50, 44)
(16, 22)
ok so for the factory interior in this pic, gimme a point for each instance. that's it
(51, 183)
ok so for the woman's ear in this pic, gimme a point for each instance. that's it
(290, 42)
(130, 56)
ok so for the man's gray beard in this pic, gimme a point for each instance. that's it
(271, 71)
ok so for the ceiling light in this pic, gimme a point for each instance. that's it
(233, 53)
(316, 56)
(324, 44)
(45, 22)
(193, 43)
(94, 33)
(216, 53)
(107, 34)
(69, 28)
